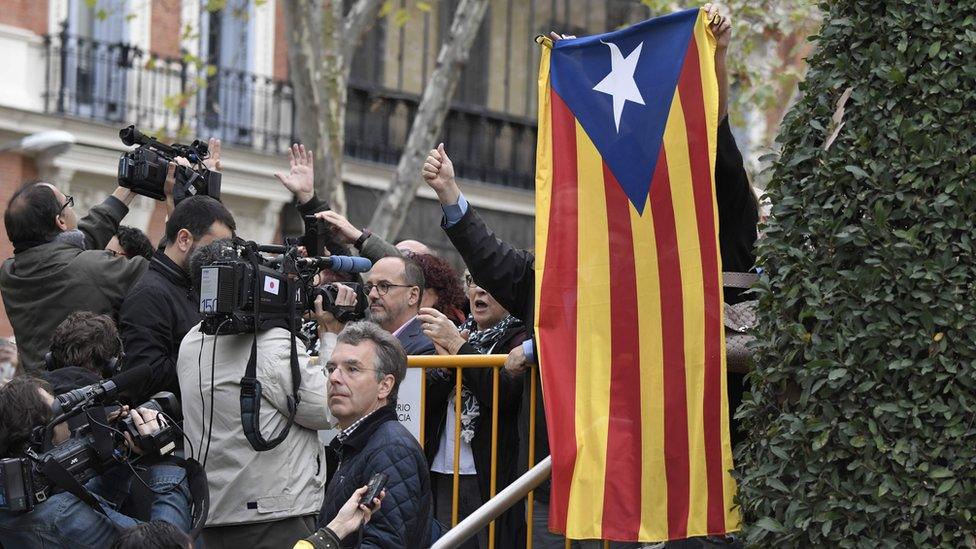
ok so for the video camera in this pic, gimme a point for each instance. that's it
(95, 446)
(251, 293)
(238, 296)
(144, 169)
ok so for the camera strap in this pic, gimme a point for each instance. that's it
(60, 477)
(196, 477)
(251, 387)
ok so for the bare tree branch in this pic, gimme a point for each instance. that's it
(427, 124)
(360, 15)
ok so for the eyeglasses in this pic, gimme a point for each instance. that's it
(348, 371)
(69, 202)
(383, 287)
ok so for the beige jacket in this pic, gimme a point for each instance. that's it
(248, 486)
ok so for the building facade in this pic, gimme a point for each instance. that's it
(181, 68)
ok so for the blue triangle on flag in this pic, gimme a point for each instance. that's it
(580, 65)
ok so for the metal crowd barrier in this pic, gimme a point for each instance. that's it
(521, 487)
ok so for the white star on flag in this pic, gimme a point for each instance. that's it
(620, 83)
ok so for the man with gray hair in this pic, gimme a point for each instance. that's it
(365, 371)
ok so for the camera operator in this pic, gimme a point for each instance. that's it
(64, 520)
(258, 499)
(162, 306)
(85, 349)
(60, 264)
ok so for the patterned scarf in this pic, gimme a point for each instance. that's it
(483, 341)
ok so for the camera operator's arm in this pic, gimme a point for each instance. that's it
(370, 246)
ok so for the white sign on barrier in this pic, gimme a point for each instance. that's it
(407, 408)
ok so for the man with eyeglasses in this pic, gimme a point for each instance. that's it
(365, 372)
(60, 264)
(394, 287)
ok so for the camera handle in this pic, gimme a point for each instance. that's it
(251, 387)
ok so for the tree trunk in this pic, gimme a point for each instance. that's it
(320, 45)
(331, 72)
(429, 121)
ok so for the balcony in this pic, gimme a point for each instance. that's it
(116, 83)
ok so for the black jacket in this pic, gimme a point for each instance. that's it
(157, 312)
(508, 274)
(511, 525)
(738, 210)
(381, 445)
(414, 341)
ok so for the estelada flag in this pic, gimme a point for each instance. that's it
(628, 295)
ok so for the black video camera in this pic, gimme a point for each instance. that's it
(238, 296)
(94, 447)
(144, 169)
(343, 313)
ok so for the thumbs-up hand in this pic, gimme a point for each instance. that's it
(438, 172)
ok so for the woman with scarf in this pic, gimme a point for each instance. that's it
(489, 329)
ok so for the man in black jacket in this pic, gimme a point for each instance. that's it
(161, 308)
(365, 371)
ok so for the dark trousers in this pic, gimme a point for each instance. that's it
(270, 535)
(469, 499)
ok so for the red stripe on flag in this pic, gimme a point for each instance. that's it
(690, 89)
(673, 348)
(622, 478)
(557, 308)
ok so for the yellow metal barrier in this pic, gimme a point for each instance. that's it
(458, 363)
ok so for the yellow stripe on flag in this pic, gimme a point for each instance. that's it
(706, 60)
(593, 348)
(693, 302)
(654, 485)
(543, 177)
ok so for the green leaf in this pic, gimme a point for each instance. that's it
(769, 524)
(858, 172)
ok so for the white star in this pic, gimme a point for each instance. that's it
(620, 83)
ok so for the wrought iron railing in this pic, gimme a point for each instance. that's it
(118, 83)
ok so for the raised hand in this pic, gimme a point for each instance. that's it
(212, 162)
(301, 179)
(438, 172)
(721, 25)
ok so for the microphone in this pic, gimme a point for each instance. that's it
(339, 263)
(102, 390)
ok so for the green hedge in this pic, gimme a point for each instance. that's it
(862, 415)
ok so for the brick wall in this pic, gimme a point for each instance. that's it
(25, 14)
(280, 43)
(14, 170)
(166, 31)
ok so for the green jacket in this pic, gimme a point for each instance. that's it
(44, 284)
